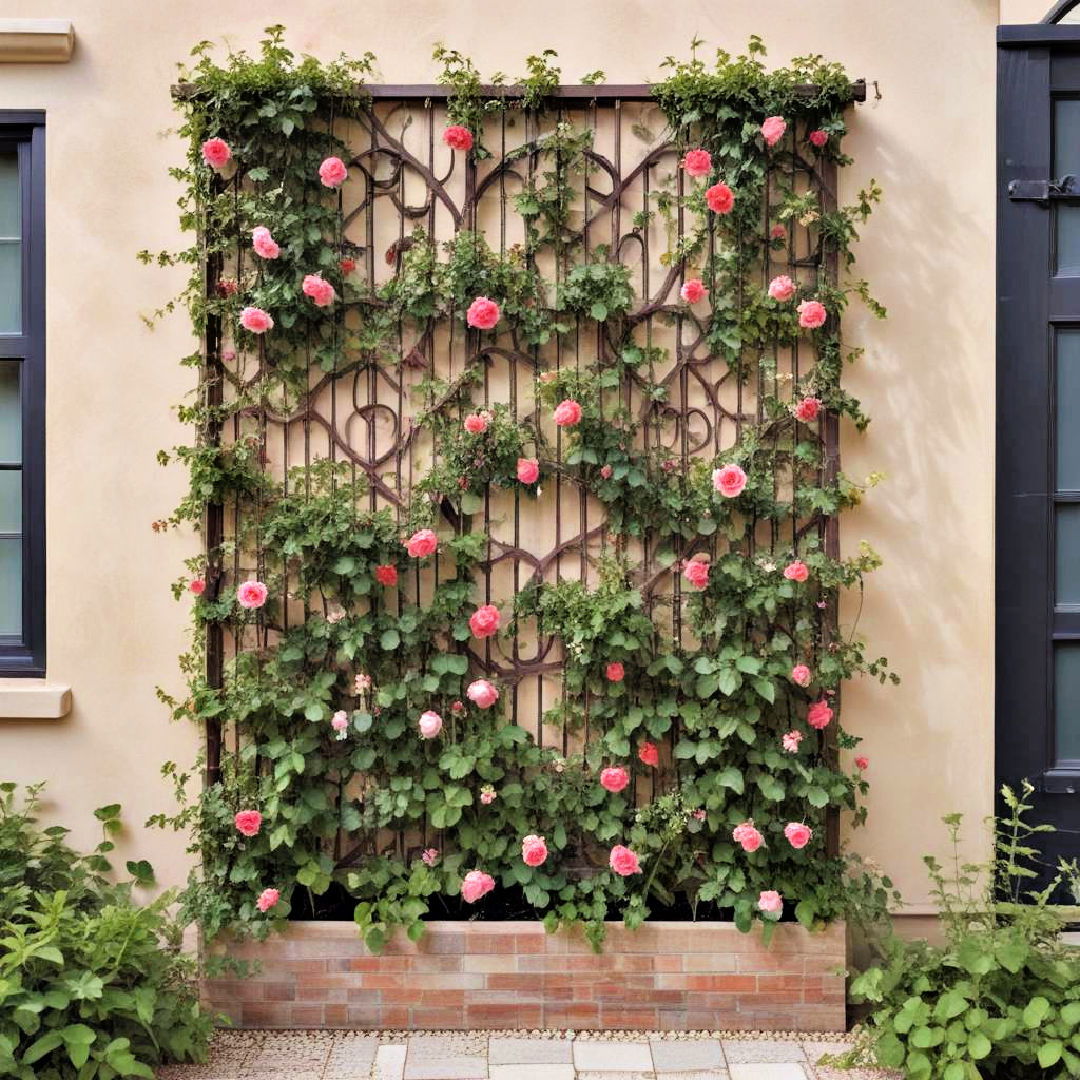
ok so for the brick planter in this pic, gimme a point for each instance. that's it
(514, 975)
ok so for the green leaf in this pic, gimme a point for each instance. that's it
(37, 1050)
(978, 1045)
(598, 311)
(766, 689)
(1036, 1012)
(389, 640)
(1050, 1053)
(471, 503)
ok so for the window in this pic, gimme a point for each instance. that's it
(22, 394)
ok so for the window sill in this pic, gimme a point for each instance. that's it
(36, 41)
(33, 699)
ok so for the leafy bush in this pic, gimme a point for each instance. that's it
(1001, 997)
(91, 985)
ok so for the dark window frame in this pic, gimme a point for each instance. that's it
(24, 655)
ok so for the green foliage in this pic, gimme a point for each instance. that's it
(91, 984)
(1001, 996)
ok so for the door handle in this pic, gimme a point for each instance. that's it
(1042, 191)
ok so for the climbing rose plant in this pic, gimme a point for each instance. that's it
(376, 754)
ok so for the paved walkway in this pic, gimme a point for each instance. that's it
(477, 1055)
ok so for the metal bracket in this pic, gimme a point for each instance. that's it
(1042, 191)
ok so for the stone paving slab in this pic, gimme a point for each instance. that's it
(767, 1070)
(762, 1050)
(686, 1055)
(612, 1056)
(511, 1051)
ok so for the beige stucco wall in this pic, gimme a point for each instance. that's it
(114, 631)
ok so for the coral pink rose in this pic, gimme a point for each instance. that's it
(693, 291)
(533, 850)
(528, 470)
(332, 172)
(807, 410)
(772, 130)
(248, 822)
(430, 724)
(267, 899)
(614, 672)
(819, 138)
(798, 835)
(482, 694)
(458, 137)
(430, 856)
(484, 621)
(862, 762)
(567, 413)
(697, 163)
(801, 675)
(696, 571)
(476, 885)
(778, 232)
(340, 720)
(729, 480)
(791, 741)
(720, 199)
(648, 754)
(782, 288)
(605, 472)
(747, 836)
(251, 594)
(256, 320)
(422, 543)
(623, 861)
(197, 586)
(812, 314)
(263, 243)
(819, 715)
(216, 153)
(319, 289)
(770, 901)
(487, 795)
(475, 423)
(796, 571)
(347, 265)
(614, 778)
(387, 575)
(483, 314)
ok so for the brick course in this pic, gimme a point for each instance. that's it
(515, 975)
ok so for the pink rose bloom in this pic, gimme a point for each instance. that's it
(801, 675)
(720, 199)
(648, 754)
(772, 130)
(332, 172)
(319, 289)
(862, 762)
(614, 672)
(697, 163)
(430, 856)
(747, 837)
(422, 543)
(263, 243)
(791, 741)
(361, 683)
(812, 314)
(227, 287)
(457, 707)
(475, 424)
(782, 288)
(614, 778)
(386, 574)
(430, 724)
(483, 314)
(528, 470)
(819, 138)
(487, 795)
(458, 137)
(729, 480)
(533, 850)
(347, 265)
(770, 901)
(197, 586)
(796, 571)
(700, 815)
(807, 410)
(606, 472)
(567, 413)
(251, 594)
(778, 232)
(623, 861)
(482, 693)
(248, 822)
(340, 720)
(216, 153)
(693, 291)
(484, 621)
(267, 899)
(476, 884)
(798, 835)
(696, 571)
(256, 320)
(819, 715)
(228, 355)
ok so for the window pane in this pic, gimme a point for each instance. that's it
(10, 412)
(1067, 700)
(11, 587)
(1067, 160)
(10, 500)
(10, 287)
(10, 219)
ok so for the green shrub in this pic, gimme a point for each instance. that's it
(91, 985)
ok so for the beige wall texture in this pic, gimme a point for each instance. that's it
(927, 379)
